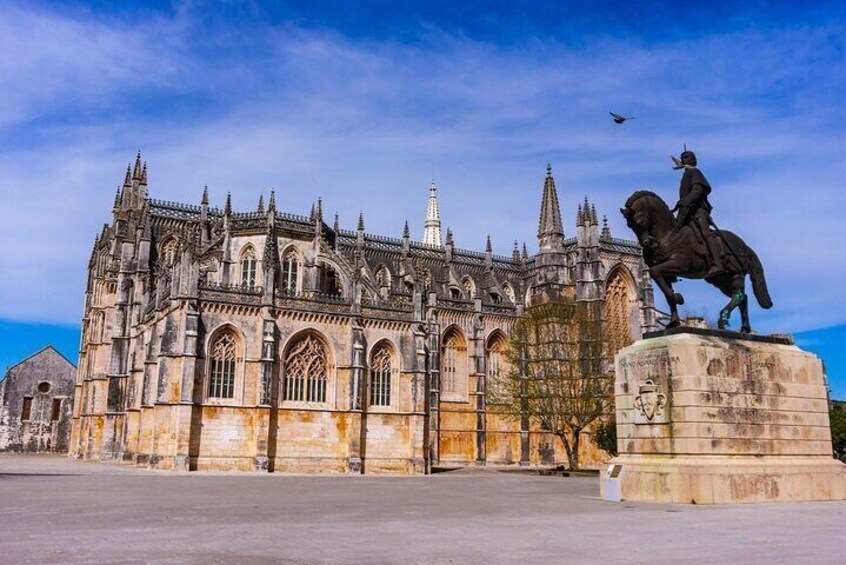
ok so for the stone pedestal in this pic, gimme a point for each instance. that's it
(716, 417)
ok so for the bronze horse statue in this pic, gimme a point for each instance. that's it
(672, 253)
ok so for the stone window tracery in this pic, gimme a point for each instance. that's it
(290, 272)
(497, 371)
(222, 373)
(306, 370)
(248, 268)
(381, 366)
(454, 366)
(169, 251)
(618, 312)
(509, 292)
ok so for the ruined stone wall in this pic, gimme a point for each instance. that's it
(42, 386)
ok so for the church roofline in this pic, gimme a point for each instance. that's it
(36, 354)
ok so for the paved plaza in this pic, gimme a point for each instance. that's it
(55, 510)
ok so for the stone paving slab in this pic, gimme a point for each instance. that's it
(54, 510)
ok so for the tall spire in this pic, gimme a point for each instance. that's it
(136, 172)
(271, 205)
(432, 225)
(127, 180)
(361, 221)
(550, 231)
(260, 208)
(488, 246)
(227, 209)
(205, 199)
(406, 233)
(144, 174)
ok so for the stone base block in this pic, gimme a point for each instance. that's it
(716, 417)
(724, 480)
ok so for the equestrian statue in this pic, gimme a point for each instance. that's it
(691, 246)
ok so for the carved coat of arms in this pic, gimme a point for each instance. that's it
(650, 401)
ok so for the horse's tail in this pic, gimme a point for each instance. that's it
(759, 282)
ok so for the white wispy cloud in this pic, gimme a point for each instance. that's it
(365, 123)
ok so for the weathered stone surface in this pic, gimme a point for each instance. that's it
(706, 419)
(36, 398)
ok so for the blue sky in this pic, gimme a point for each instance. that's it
(362, 103)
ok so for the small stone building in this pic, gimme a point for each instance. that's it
(36, 399)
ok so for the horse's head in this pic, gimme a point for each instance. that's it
(648, 216)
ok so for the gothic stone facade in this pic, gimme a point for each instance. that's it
(263, 340)
(36, 396)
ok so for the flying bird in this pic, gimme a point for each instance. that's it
(618, 119)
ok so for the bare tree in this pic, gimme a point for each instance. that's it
(559, 374)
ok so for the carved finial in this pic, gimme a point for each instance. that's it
(515, 253)
(525, 255)
(136, 173)
(271, 205)
(488, 246)
(606, 231)
(360, 221)
(319, 212)
(117, 198)
(260, 208)
(205, 199)
(312, 213)
(449, 239)
(549, 169)
(337, 226)
(227, 209)
(144, 174)
(406, 233)
(593, 217)
(127, 180)
(579, 216)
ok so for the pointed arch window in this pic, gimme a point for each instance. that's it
(454, 367)
(222, 373)
(497, 369)
(290, 272)
(306, 370)
(618, 312)
(169, 251)
(248, 268)
(381, 368)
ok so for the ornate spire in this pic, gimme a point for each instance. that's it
(117, 199)
(319, 211)
(227, 209)
(205, 199)
(606, 231)
(127, 180)
(144, 174)
(525, 255)
(136, 172)
(337, 225)
(360, 221)
(406, 233)
(449, 240)
(271, 205)
(550, 231)
(515, 253)
(311, 214)
(593, 219)
(488, 246)
(432, 225)
(260, 208)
